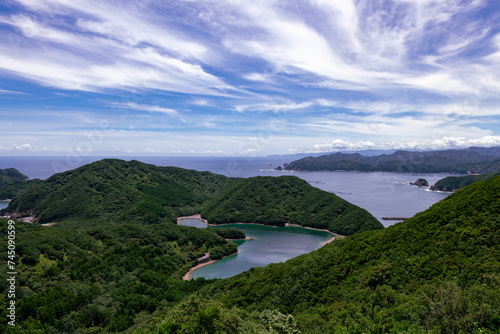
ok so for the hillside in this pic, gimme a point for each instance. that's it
(114, 258)
(437, 272)
(116, 190)
(10, 175)
(286, 199)
(450, 161)
(454, 183)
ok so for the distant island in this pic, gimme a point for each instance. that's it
(449, 161)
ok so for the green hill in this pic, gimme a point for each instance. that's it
(10, 175)
(114, 259)
(449, 161)
(437, 272)
(116, 190)
(453, 183)
(286, 199)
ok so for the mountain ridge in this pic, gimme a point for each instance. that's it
(448, 161)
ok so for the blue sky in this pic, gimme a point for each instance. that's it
(247, 78)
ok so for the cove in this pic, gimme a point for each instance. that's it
(268, 245)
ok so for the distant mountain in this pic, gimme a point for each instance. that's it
(366, 153)
(449, 161)
(493, 151)
(453, 183)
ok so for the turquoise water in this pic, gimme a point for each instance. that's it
(269, 245)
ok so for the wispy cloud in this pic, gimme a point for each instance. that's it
(143, 107)
(360, 71)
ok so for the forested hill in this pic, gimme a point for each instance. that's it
(13, 183)
(454, 183)
(114, 258)
(10, 175)
(286, 199)
(438, 272)
(117, 190)
(130, 191)
(450, 161)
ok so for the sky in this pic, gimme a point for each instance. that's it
(247, 78)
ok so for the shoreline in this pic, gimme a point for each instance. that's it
(187, 276)
(198, 216)
(6, 200)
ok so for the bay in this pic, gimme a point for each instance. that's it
(269, 245)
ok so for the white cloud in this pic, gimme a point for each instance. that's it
(5, 91)
(274, 107)
(144, 107)
(443, 143)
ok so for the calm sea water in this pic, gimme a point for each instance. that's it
(270, 245)
(382, 194)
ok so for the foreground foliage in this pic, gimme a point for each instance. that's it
(105, 278)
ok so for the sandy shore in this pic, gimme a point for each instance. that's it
(187, 276)
(6, 200)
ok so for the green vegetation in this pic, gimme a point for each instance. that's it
(117, 191)
(450, 161)
(10, 175)
(286, 199)
(13, 183)
(420, 183)
(230, 233)
(114, 258)
(104, 278)
(438, 272)
(453, 183)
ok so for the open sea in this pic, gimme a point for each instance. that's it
(382, 194)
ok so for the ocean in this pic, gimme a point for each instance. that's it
(381, 194)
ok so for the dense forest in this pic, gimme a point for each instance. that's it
(120, 191)
(113, 256)
(286, 199)
(450, 161)
(13, 183)
(453, 183)
(438, 272)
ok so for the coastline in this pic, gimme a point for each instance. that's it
(6, 200)
(187, 276)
